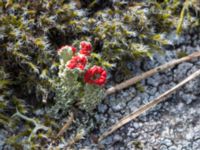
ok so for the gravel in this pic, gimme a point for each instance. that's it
(173, 124)
(102, 108)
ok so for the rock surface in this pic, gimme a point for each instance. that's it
(173, 124)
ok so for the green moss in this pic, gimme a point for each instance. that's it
(138, 144)
(139, 87)
(181, 54)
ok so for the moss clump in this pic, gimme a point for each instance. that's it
(32, 31)
(181, 54)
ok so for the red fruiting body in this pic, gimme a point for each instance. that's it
(73, 49)
(86, 48)
(95, 75)
(78, 62)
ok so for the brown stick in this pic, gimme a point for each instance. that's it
(79, 135)
(151, 72)
(148, 106)
(66, 125)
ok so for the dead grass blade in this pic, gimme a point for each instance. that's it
(66, 125)
(148, 106)
(151, 72)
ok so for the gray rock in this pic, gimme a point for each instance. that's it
(175, 39)
(163, 147)
(144, 97)
(113, 120)
(118, 107)
(163, 88)
(167, 142)
(133, 105)
(196, 144)
(189, 136)
(125, 94)
(151, 90)
(148, 65)
(107, 141)
(132, 90)
(172, 119)
(135, 135)
(122, 148)
(102, 108)
(117, 138)
(136, 125)
(181, 72)
(100, 118)
(191, 49)
(187, 98)
(154, 81)
(170, 55)
(172, 148)
(159, 58)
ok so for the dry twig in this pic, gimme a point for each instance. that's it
(148, 106)
(66, 125)
(151, 72)
(78, 136)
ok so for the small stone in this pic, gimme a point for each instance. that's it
(159, 58)
(163, 88)
(111, 148)
(172, 148)
(163, 147)
(133, 105)
(180, 129)
(130, 130)
(136, 125)
(108, 140)
(135, 135)
(154, 81)
(179, 147)
(148, 65)
(132, 90)
(180, 106)
(182, 70)
(167, 142)
(145, 98)
(100, 118)
(170, 55)
(151, 90)
(187, 98)
(102, 108)
(117, 138)
(196, 144)
(191, 49)
(118, 107)
(113, 120)
(189, 136)
(122, 148)
(125, 94)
